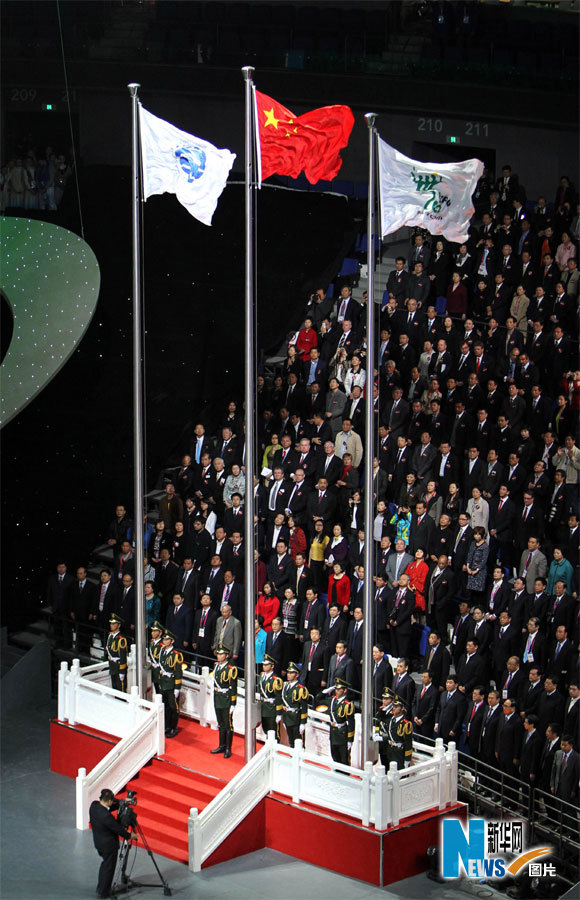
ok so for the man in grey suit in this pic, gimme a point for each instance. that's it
(397, 563)
(340, 666)
(228, 632)
(423, 459)
(533, 564)
(565, 771)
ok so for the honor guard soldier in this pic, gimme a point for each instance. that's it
(399, 737)
(270, 694)
(116, 653)
(170, 674)
(225, 694)
(294, 705)
(341, 723)
(153, 652)
(382, 719)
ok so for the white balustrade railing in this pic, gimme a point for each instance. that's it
(369, 795)
(84, 699)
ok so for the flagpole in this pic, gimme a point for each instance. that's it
(368, 594)
(139, 480)
(249, 640)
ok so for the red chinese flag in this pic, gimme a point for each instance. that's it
(311, 142)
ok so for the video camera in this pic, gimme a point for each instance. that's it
(126, 815)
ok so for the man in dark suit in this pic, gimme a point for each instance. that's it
(513, 680)
(502, 513)
(281, 568)
(354, 644)
(566, 771)
(470, 669)
(233, 595)
(165, 579)
(313, 614)
(340, 665)
(481, 629)
(396, 413)
(187, 582)
(489, 728)
(403, 684)
(531, 692)
(533, 646)
(509, 739)
(425, 703)
(497, 595)
(82, 602)
(422, 527)
(278, 647)
(314, 669)
(204, 625)
(106, 833)
(461, 629)
(552, 740)
(551, 704)
(382, 673)
(473, 721)
(437, 661)
(57, 599)
(450, 712)
(334, 629)
(126, 604)
(179, 621)
(401, 606)
(572, 708)
(461, 545)
(531, 750)
(561, 658)
(506, 640)
(561, 610)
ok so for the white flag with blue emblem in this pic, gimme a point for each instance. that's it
(176, 162)
(436, 196)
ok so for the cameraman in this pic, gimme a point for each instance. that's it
(106, 833)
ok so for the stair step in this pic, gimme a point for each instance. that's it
(166, 774)
(177, 797)
(171, 836)
(161, 848)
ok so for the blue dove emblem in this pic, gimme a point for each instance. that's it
(191, 161)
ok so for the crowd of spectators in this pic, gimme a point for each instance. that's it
(36, 179)
(476, 394)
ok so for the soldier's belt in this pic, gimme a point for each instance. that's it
(268, 699)
(221, 690)
(290, 709)
(336, 725)
(393, 744)
(113, 658)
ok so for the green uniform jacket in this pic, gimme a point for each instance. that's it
(294, 703)
(382, 719)
(341, 721)
(116, 653)
(170, 673)
(399, 740)
(225, 686)
(270, 694)
(155, 648)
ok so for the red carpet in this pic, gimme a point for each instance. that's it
(187, 776)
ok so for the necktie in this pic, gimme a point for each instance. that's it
(431, 656)
(477, 364)
(227, 594)
(526, 511)
(422, 693)
(501, 503)
(564, 761)
(203, 617)
(312, 649)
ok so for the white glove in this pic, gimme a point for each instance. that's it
(349, 745)
(122, 677)
(328, 690)
(377, 738)
(176, 693)
(302, 729)
(278, 719)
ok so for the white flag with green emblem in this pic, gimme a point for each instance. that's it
(176, 162)
(436, 196)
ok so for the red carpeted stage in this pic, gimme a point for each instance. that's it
(187, 775)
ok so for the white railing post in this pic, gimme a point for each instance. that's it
(395, 780)
(82, 812)
(75, 674)
(380, 787)
(194, 836)
(297, 758)
(366, 793)
(159, 724)
(134, 705)
(131, 666)
(62, 687)
(204, 697)
(452, 758)
(439, 758)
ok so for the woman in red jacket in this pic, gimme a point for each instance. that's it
(268, 605)
(339, 587)
(297, 539)
(306, 340)
(456, 297)
(417, 572)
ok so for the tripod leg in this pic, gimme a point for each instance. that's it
(166, 888)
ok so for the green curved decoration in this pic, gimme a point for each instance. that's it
(51, 280)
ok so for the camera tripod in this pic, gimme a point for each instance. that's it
(122, 883)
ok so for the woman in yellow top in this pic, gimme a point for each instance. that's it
(316, 557)
(268, 458)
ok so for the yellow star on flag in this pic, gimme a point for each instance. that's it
(270, 118)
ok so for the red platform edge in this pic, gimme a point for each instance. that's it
(306, 832)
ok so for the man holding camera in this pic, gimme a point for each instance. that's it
(106, 833)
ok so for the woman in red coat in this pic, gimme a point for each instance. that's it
(339, 587)
(297, 539)
(306, 340)
(268, 605)
(456, 297)
(417, 572)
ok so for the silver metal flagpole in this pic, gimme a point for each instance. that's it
(139, 480)
(368, 593)
(249, 639)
